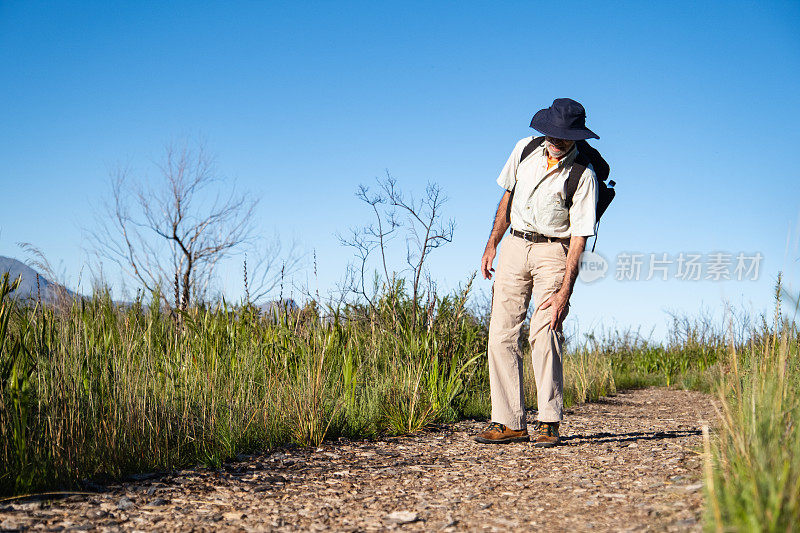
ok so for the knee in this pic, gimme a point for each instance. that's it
(504, 339)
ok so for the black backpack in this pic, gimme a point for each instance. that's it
(586, 155)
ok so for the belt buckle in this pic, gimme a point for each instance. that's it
(527, 235)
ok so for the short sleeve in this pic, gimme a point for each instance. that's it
(508, 176)
(583, 211)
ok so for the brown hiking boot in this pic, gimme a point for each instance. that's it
(496, 433)
(546, 435)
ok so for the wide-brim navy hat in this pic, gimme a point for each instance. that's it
(565, 119)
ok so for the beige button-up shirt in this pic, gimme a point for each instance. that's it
(540, 197)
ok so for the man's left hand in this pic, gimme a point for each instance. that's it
(558, 301)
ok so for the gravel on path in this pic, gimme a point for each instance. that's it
(631, 462)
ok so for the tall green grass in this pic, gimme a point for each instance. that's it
(97, 390)
(753, 461)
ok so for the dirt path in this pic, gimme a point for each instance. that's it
(630, 462)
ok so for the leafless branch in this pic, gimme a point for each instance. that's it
(175, 231)
(424, 232)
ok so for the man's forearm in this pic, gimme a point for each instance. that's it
(501, 222)
(576, 247)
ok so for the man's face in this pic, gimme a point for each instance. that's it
(561, 144)
(558, 147)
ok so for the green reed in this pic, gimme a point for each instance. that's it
(97, 390)
(753, 459)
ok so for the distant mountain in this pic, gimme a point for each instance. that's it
(49, 290)
(28, 289)
(279, 305)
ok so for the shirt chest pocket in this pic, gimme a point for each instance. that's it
(550, 208)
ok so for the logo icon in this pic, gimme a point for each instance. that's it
(592, 267)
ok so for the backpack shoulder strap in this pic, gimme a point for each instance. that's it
(535, 143)
(600, 165)
(575, 173)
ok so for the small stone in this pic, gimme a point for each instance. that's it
(158, 502)
(29, 506)
(233, 515)
(694, 487)
(125, 503)
(402, 517)
(9, 525)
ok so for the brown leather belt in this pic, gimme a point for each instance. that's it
(532, 236)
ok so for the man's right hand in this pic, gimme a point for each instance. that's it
(487, 260)
(499, 228)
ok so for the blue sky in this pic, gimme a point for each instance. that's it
(697, 106)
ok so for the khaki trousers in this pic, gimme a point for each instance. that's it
(524, 268)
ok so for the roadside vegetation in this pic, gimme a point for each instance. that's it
(753, 457)
(92, 389)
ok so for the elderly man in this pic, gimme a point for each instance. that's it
(550, 221)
